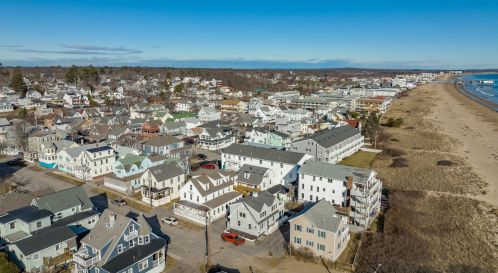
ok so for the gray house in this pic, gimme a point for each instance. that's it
(161, 145)
(257, 215)
(44, 249)
(120, 244)
(71, 207)
(331, 145)
(20, 223)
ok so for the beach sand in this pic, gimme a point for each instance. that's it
(475, 128)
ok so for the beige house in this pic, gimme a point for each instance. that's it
(233, 106)
(320, 230)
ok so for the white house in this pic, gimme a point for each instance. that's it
(87, 161)
(216, 138)
(205, 198)
(207, 114)
(162, 183)
(284, 164)
(183, 106)
(256, 215)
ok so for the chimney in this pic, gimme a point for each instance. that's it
(112, 219)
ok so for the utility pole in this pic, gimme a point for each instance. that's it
(208, 253)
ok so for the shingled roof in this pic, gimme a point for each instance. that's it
(331, 137)
(264, 153)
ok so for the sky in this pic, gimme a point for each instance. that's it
(251, 34)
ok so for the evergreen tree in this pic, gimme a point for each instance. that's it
(72, 75)
(371, 127)
(17, 83)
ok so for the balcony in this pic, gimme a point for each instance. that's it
(131, 235)
(84, 260)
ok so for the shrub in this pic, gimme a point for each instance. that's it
(399, 162)
(6, 265)
(445, 163)
(395, 122)
(394, 152)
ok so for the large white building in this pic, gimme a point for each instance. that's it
(356, 189)
(284, 164)
(86, 162)
(204, 198)
(162, 183)
(330, 145)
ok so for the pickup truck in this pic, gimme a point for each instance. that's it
(233, 238)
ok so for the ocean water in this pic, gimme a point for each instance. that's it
(489, 93)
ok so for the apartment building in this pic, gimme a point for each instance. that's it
(331, 145)
(355, 189)
(87, 161)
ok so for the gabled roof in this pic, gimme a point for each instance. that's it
(166, 171)
(252, 175)
(161, 141)
(257, 202)
(144, 228)
(61, 200)
(264, 153)
(27, 214)
(45, 239)
(102, 233)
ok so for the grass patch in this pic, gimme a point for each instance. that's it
(360, 159)
(131, 201)
(67, 179)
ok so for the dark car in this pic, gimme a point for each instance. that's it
(202, 156)
(119, 202)
(13, 162)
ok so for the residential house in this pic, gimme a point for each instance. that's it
(356, 190)
(256, 215)
(47, 156)
(86, 161)
(284, 164)
(205, 198)
(162, 145)
(320, 230)
(233, 106)
(207, 114)
(330, 145)
(151, 128)
(215, 138)
(253, 178)
(162, 183)
(266, 138)
(120, 244)
(20, 223)
(174, 128)
(44, 250)
(183, 106)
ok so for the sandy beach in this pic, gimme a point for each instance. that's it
(475, 128)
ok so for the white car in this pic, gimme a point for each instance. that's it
(172, 221)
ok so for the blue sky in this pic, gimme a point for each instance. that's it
(251, 34)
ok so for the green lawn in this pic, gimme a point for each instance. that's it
(360, 159)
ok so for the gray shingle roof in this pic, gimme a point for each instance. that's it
(335, 171)
(45, 239)
(252, 175)
(264, 153)
(27, 214)
(61, 200)
(161, 141)
(101, 234)
(323, 216)
(256, 202)
(331, 137)
(166, 171)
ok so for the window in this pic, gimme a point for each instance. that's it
(131, 243)
(298, 227)
(310, 230)
(238, 223)
(13, 225)
(57, 247)
(131, 228)
(120, 248)
(249, 226)
(36, 256)
(321, 234)
(140, 240)
(309, 243)
(38, 224)
(147, 239)
(143, 265)
(130, 270)
(297, 240)
(302, 186)
(320, 247)
(311, 187)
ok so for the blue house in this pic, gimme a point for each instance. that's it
(120, 244)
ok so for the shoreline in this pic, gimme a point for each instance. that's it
(491, 105)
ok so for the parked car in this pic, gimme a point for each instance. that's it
(233, 238)
(202, 156)
(209, 166)
(119, 202)
(13, 162)
(172, 221)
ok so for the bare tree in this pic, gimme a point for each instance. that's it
(21, 130)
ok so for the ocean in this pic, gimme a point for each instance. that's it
(486, 92)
